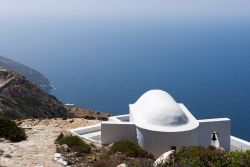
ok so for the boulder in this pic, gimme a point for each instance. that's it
(55, 159)
(164, 158)
(122, 165)
(57, 155)
(64, 163)
(59, 160)
(26, 127)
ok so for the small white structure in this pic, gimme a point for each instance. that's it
(158, 124)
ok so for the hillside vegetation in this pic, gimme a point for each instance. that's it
(134, 156)
(20, 99)
(9, 130)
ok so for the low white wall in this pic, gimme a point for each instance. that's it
(119, 118)
(124, 118)
(158, 143)
(113, 119)
(87, 129)
(221, 125)
(240, 144)
(117, 131)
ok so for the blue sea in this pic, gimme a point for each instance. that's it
(106, 64)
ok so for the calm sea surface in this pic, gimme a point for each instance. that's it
(107, 64)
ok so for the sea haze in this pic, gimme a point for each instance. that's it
(106, 64)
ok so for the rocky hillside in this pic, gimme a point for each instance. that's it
(32, 75)
(19, 98)
(86, 113)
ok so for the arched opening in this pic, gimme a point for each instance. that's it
(215, 139)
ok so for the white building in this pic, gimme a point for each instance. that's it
(158, 123)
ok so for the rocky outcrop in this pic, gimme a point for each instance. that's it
(32, 75)
(164, 158)
(86, 113)
(20, 99)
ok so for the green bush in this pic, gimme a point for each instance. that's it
(10, 130)
(197, 156)
(32, 101)
(130, 149)
(89, 117)
(73, 141)
(239, 158)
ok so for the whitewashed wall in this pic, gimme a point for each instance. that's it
(221, 126)
(117, 131)
(158, 143)
(240, 144)
(119, 118)
(87, 129)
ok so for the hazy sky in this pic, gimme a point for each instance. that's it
(118, 8)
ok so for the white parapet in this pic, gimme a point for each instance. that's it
(119, 118)
(90, 133)
(239, 144)
(87, 129)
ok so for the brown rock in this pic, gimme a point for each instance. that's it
(21, 99)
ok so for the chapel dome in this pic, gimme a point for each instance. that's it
(159, 109)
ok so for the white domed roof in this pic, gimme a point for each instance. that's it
(158, 108)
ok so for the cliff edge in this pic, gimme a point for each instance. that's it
(19, 99)
(32, 75)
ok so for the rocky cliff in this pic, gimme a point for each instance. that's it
(32, 75)
(19, 98)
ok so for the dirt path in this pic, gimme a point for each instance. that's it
(39, 148)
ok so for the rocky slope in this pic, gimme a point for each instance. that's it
(86, 113)
(20, 99)
(32, 75)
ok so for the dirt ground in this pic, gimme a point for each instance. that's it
(38, 150)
